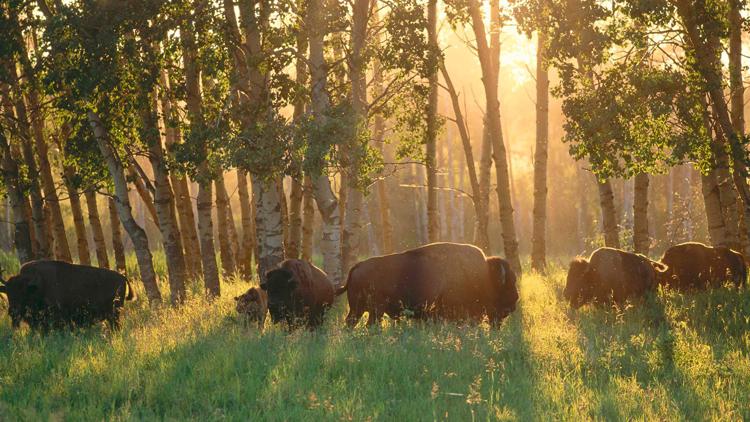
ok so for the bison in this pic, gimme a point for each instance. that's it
(298, 291)
(439, 280)
(693, 265)
(56, 294)
(610, 275)
(253, 304)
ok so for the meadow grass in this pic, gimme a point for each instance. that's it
(667, 357)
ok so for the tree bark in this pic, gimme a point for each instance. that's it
(712, 202)
(641, 241)
(40, 237)
(433, 223)
(12, 179)
(96, 228)
(269, 226)
(117, 246)
(143, 192)
(295, 219)
(609, 214)
(324, 197)
(248, 225)
(225, 241)
(122, 202)
(539, 234)
(284, 207)
(84, 254)
(294, 246)
(308, 219)
(194, 104)
(489, 72)
(165, 208)
(481, 238)
(706, 46)
(180, 188)
(352, 233)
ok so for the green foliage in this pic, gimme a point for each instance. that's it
(665, 358)
(634, 119)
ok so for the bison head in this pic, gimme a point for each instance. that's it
(507, 298)
(734, 264)
(24, 298)
(253, 304)
(577, 290)
(281, 285)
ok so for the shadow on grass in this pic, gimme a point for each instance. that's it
(637, 344)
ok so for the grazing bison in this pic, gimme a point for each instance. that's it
(439, 280)
(253, 304)
(610, 275)
(694, 265)
(298, 291)
(57, 294)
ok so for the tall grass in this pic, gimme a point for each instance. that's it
(667, 357)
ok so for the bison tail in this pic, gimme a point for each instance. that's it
(341, 288)
(130, 292)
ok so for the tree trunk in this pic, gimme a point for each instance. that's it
(40, 236)
(181, 188)
(206, 235)
(84, 254)
(324, 197)
(383, 203)
(641, 241)
(352, 231)
(122, 202)
(538, 242)
(481, 236)
(294, 246)
(707, 53)
(143, 192)
(268, 226)
(433, 224)
(194, 104)
(727, 193)
(248, 225)
(62, 248)
(295, 219)
(489, 72)
(222, 217)
(11, 177)
(609, 214)
(96, 228)
(308, 219)
(165, 208)
(117, 245)
(737, 96)
(283, 206)
(712, 202)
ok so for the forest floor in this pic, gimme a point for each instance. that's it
(668, 357)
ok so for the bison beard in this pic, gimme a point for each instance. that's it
(610, 275)
(697, 266)
(55, 294)
(439, 280)
(298, 292)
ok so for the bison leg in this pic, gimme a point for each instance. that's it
(375, 317)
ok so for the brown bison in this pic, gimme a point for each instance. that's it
(694, 265)
(443, 280)
(56, 294)
(298, 291)
(610, 275)
(253, 304)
